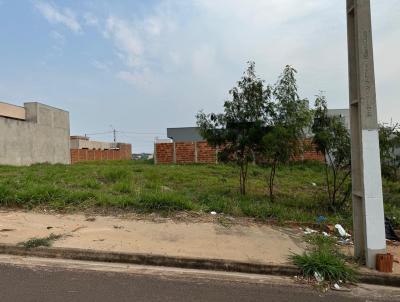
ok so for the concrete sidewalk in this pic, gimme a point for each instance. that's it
(209, 240)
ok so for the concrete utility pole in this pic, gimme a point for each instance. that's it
(368, 215)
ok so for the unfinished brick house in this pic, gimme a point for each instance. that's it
(83, 149)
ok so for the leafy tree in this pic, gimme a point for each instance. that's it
(389, 143)
(288, 117)
(238, 131)
(332, 139)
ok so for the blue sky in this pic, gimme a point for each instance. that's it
(143, 66)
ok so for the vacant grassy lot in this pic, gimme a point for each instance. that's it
(144, 187)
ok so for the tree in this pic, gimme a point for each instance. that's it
(332, 139)
(288, 117)
(389, 143)
(238, 131)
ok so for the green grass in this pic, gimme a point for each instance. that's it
(143, 187)
(37, 242)
(325, 259)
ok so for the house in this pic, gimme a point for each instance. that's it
(84, 149)
(33, 133)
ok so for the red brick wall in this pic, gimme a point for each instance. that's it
(185, 153)
(206, 153)
(164, 153)
(124, 153)
(310, 152)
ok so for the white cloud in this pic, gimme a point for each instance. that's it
(54, 15)
(198, 49)
(126, 39)
(153, 26)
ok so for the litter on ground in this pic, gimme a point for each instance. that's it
(342, 231)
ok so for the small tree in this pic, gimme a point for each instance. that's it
(389, 143)
(238, 131)
(332, 139)
(289, 116)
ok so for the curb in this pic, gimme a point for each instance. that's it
(181, 262)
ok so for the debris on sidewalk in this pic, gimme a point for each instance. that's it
(321, 219)
(213, 213)
(339, 288)
(7, 230)
(390, 233)
(309, 231)
(78, 228)
(342, 231)
(318, 277)
(345, 241)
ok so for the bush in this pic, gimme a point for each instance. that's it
(324, 259)
(327, 263)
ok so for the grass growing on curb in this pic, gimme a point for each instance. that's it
(325, 260)
(37, 242)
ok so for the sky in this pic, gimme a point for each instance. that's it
(142, 66)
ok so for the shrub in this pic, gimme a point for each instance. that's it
(324, 259)
(327, 263)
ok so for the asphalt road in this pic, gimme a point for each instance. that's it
(37, 284)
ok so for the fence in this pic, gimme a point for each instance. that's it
(202, 152)
(124, 152)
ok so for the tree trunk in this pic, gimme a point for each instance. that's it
(271, 181)
(242, 179)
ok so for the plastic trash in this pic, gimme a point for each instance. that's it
(390, 233)
(342, 231)
(213, 213)
(326, 234)
(318, 277)
(336, 286)
(314, 184)
(308, 231)
(345, 241)
(321, 219)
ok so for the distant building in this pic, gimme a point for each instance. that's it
(343, 114)
(142, 156)
(34, 133)
(185, 134)
(83, 149)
